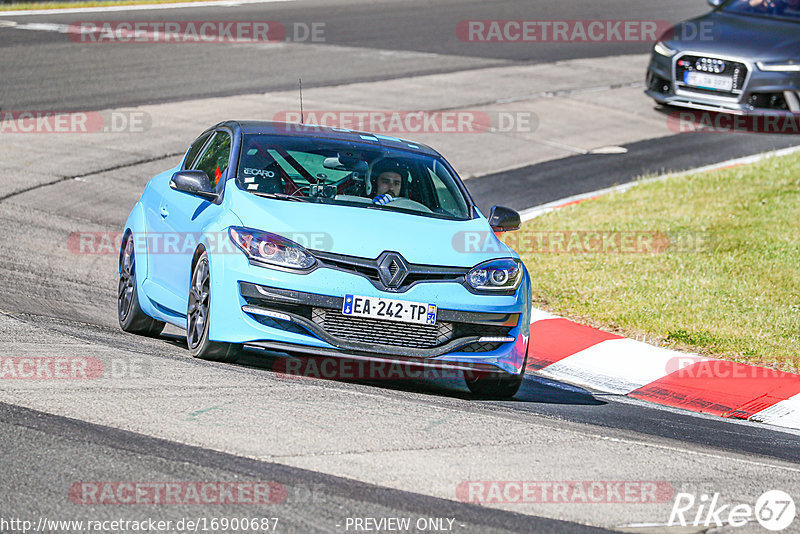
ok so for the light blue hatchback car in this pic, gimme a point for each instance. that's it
(319, 241)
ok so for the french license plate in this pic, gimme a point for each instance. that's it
(708, 81)
(390, 310)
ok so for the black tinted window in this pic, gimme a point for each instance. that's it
(362, 176)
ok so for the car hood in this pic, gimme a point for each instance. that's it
(749, 37)
(366, 233)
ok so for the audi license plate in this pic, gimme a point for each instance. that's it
(708, 81)
(389, 310)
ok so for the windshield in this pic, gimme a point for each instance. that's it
(349, 174)
(784, 9)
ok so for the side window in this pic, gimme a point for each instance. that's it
(195, 149)
(214, 160)
(446, 190)
(446, 199)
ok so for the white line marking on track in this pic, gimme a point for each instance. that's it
(136, 7)
(698, 453)
(159, 36)
(37, 26)
(609, 150)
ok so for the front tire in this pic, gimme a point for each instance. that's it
(129, 313)
(198, 317)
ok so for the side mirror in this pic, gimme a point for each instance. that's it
(504, 219)
(715, 3)
(194, 183)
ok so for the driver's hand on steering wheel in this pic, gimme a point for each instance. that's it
(383, 199)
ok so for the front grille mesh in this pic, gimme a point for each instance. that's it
(377, 332)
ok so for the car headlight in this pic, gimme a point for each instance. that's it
(271, 249)
(779, 66)
(496, 275)
(664, 50)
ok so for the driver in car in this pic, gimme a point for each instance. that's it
(389, 181)
(765, 6)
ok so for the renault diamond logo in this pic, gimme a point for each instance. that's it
(392, 269)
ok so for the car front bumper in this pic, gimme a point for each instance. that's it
(763, 92)
(290, 312)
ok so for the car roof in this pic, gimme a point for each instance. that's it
(325, 132)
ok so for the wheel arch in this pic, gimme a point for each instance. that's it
(125, 235)
(196, 256)
(136, 225)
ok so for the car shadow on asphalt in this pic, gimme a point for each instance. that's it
(545, 391)
(534, 389)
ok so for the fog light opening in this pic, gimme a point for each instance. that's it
(792, 101)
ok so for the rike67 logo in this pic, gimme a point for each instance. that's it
(774, 510)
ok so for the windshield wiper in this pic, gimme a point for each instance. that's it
(280, 196)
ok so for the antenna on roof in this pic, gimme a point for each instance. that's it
(300, 83)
